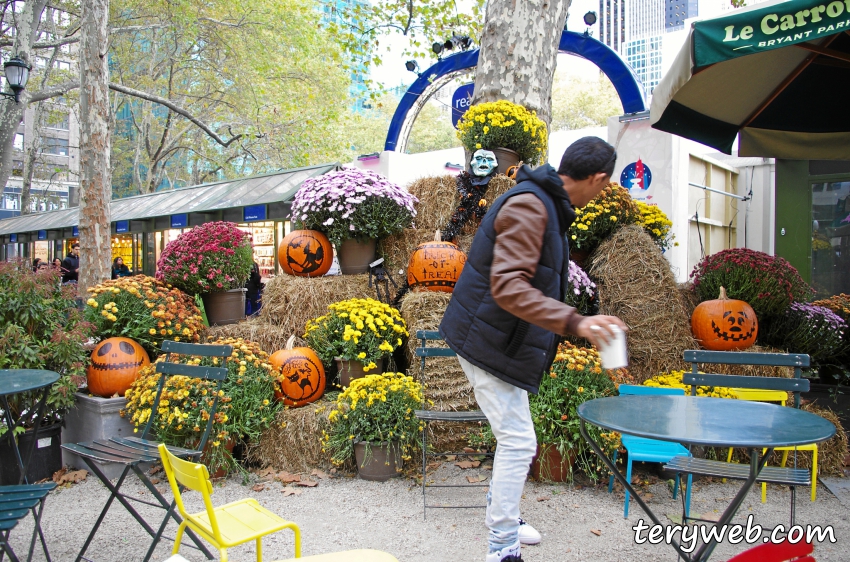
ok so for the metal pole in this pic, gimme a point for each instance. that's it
(727, 194)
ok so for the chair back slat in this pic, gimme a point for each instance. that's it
(194, 371)
(434, 352)
(747, 358)
(743, 381)
(428, 335)
(637, 389)
(199, 349)
(193, 476)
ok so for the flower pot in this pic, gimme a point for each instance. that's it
(94, 418)
(549, 464)
(356, 255)
(580, 257)
(353, 369)
(377, 461)
(224, 307)
(506, 158)
(46, 456)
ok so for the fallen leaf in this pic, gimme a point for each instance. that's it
(319, 474)
(259, 487)
(486, 467)
(543, 499)
(434, 465)
(596, 532)
(155, 480)
(291, 492)
(307, 483)
(451, 457)
(647, 496)
(265, 472)
(468, 464)
(155, 469)
(287, 477)
(476, 479)
(70, 477)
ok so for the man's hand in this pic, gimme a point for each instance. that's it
(598, 330)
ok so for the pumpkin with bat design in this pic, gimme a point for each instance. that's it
(724, 324)
(302, 376)
(115, 364)
(305, 253)
(435, 266)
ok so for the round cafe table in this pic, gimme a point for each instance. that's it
(711, 422)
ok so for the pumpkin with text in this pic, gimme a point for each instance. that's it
(724, 324)
(435, 266)
(305, 253)
(302, 376)
(115, 364)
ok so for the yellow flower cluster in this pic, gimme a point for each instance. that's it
(598, 219)
(361, 329)
(656, 223)
(503, 124)
(673, 379)
(577, 359)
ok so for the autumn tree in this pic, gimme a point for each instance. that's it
(578, 103)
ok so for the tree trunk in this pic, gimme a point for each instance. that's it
(519, 49)
(95, 146)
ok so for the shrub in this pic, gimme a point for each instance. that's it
(352, 203)
(656, 224)
(768, 283)
(811, 329)
(595, 222)
(145, 310)
(502, 124)
(209, 258)
(40, 328)
(246, 403)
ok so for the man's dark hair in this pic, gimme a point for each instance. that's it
(586, 157)
(75, 245)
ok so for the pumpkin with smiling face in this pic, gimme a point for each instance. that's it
(724, 324)
(115, 364)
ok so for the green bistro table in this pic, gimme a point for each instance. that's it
(710, 422)
(19, 500)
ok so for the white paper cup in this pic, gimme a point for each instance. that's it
(614, 354)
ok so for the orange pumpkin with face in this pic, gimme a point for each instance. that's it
(115, 364)
(302, 376)
(305, 253)
(724, 324)
(435, 266)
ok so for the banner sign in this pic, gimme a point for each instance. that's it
(75, 232)
(13, 238)
(753, 31)
(254, 213)
(180, 221)
(122, 226)
(42, 235)
(461, 101)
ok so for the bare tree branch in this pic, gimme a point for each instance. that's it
(71, 38)
(55, 91)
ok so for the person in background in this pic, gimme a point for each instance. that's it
(255, 288)
(57, 263)
(119, 269)
(36, 262)
(71, 265)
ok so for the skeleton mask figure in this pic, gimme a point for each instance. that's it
(483, 163)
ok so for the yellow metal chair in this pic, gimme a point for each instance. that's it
(226, 526)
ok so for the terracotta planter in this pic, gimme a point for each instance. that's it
(580, 257)
(377, 461)
(356, 255)
(549, 464)
(350, 370)
(506, 158)
(224, 307)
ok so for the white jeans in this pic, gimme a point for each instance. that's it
(506, 408)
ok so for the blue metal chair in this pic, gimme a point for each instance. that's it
(651, 450)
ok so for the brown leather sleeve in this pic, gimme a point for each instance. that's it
(519, 240)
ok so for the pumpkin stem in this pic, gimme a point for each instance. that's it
(438, 236)
(723, 296)
(290, 342)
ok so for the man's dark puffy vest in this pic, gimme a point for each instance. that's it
(486, 335)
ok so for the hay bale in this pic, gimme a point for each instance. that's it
(270, 337)
(294, 442)
(637, 285)
(750, 370)
(290, 302)
(438, 199)
(689, 297)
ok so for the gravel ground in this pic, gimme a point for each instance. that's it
(343, 512)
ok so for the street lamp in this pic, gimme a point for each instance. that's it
(412, 66)
(17, 73)
(589, 20)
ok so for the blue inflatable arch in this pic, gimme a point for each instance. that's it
(618, 72)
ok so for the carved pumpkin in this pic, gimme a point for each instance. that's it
(512, 170)
(435, 266)
(115, 364)
(305, 253)
(302, 376)
(724, 324)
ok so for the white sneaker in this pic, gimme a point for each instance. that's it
(528, 534)
(499, 555)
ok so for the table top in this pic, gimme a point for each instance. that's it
(13, 381)
(717, 422)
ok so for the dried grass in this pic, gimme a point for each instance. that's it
(290, 302)
(750, 370)
(637, 285)
(270, 337)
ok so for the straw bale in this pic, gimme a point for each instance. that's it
(750, 370)
(438, 199)
(637, 285)
(294, 442)
(270, 337)
(290, 302)
(689, 297)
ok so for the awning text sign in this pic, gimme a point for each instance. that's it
(773, 27)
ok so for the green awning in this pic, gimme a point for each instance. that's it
(262, 189)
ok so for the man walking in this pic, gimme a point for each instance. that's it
(507, 314)
(71, 264)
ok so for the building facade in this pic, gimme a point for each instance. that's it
(612, 22)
